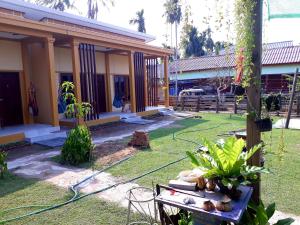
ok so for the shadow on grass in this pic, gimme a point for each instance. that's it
(12, 183)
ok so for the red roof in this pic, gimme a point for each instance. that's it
(271, 56)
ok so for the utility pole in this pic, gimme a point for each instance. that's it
(254, 93)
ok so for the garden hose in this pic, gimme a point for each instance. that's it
(73, 188)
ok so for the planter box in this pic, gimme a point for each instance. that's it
(264, 125)
(237, 90)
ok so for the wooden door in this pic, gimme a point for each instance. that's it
(10, 100)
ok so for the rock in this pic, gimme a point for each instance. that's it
(140, 139)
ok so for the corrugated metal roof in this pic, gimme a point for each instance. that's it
(271, 56)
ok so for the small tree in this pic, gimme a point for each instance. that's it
(78, 146)
(3, 164)
(74, 109)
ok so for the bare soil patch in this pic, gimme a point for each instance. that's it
(112, 151)
(20, 150)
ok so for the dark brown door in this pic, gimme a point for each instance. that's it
(10, 99)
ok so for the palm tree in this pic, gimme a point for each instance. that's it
(140, 20)
(173, 15)
(93, 7)
(60, 5)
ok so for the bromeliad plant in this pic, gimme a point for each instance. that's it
(226, 163)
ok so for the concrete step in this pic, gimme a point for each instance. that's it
(40, 131)
(44, 136)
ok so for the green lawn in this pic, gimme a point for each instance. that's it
(16, 191)
(282, 186)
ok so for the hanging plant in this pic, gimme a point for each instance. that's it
(244, 25)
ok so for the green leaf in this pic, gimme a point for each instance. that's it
(193, 158)
(286, 221)
(270, 210)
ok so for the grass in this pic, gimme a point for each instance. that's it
(281, 187)
(16, 191)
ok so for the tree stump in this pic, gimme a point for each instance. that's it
(140, 139)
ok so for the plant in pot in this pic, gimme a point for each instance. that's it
(258, 214)
(264, 122)
(226, 163)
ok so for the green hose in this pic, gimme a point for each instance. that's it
(73, 188)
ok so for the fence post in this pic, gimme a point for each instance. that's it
(217, 103)
(235, 105)
(298, 105)
(198, 104)
(182, 103)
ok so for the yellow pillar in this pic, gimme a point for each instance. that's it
(49, 50)
(76, 72)
(132, 82)
(166, 78)
(107, 83)
(25, 84)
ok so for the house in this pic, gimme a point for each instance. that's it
(40, 48)
(279, 59)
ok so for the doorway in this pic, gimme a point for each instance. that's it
(10, 99)
(122, 93)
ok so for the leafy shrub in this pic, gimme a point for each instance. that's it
(78, 146)
(3, 164)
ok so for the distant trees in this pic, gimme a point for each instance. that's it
(139, 20)
(93, 7)
(60, 5)
(194, 44)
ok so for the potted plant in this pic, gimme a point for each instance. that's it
(226, 163)
(264, 122)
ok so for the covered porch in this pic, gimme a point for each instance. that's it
(108, 69)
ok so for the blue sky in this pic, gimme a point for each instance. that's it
(124, 10)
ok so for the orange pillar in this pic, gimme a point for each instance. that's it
(76, 72)
(132, 82)
(166, 79)
(108, 84)
(49, 50)
(25, 84)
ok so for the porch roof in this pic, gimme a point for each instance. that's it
(37, 13)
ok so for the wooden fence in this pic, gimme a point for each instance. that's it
(225, 103)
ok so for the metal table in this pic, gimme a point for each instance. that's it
(200, 216)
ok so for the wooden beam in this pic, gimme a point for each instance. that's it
(108, 84)
(166, 79)
(145, 83)
(25, 83)
(132, 82)
(49, 48)
(76, 72)
(254, 93)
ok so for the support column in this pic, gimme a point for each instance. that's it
(25, 84)
(145, 83)
(166, 78)
(49, 50)
(254, 93)
(107, 84)
(132, 82)
(76, 72)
